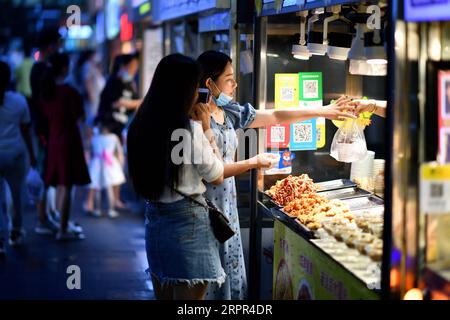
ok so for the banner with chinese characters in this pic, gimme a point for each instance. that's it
(284, 165)
(304, 272)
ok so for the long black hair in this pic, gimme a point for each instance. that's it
(58, 63)
(165, 108)
(5, 78)
(213, 64)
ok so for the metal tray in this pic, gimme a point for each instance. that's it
(346, 193)
(268, 201)
(293, 223)
(364, 202)
(334, 185)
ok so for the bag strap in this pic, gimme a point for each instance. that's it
(189, 197)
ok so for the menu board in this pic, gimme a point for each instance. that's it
(444, 114)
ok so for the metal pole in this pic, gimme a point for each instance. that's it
(255, 219)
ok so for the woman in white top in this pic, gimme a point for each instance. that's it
(169, 155)
(15, 143)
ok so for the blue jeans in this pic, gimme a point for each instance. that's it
(180, 244)
(13, 170)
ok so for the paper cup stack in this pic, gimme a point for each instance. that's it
(361, 172)
(378, 176)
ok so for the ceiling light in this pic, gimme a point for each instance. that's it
(339, 45)
(300, 51)
(374, 48)
(315, 39)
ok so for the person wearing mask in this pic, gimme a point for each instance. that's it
(227, 117)
(49, 42)
(119, 98)
(66, 166)
(182, 252)
(16, 151)
(118, 101)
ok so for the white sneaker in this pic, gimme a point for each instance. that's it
(16, 238)
(113, 214)
(69, 236)
(75, 228)
(46, 227)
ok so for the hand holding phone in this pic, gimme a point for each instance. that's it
(203, 95)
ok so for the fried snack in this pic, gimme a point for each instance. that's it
(290, 188)
(305, 204)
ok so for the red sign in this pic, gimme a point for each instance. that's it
(126, 28)
(278, 136)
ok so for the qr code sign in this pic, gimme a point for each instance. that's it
(277, 134)
(303, 132)
(436, 190)
(287, 94)
(311, 89)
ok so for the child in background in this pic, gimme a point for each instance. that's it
(105, 168)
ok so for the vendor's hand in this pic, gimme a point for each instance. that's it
(202, 112)
(360, 105)
(339, 110)
(265, 160)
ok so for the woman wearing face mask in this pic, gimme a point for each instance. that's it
(182, 252)
(118, 101)
(119, 98)
(227, 117)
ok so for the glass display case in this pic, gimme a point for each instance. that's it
(328, 229)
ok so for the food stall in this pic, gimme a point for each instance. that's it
(376, 228)
(328, 214)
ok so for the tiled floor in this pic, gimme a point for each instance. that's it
(112, 261)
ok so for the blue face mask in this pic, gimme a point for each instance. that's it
(223, 99)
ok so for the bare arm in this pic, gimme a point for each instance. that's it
(335, 111)
(119, 152)
(237, 168)
(130, 104)
(377, 107)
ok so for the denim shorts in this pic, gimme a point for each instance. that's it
(180, 244)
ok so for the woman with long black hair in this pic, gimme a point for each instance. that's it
(182, 252)
(227, 117)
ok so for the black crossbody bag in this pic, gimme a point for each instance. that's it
(219, 222)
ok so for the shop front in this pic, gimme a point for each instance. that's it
(349, 215)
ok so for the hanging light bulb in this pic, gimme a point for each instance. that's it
(374, 48)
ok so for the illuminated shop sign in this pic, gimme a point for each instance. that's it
(172, 9)
(427, 10)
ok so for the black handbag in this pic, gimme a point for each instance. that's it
(219, 222)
